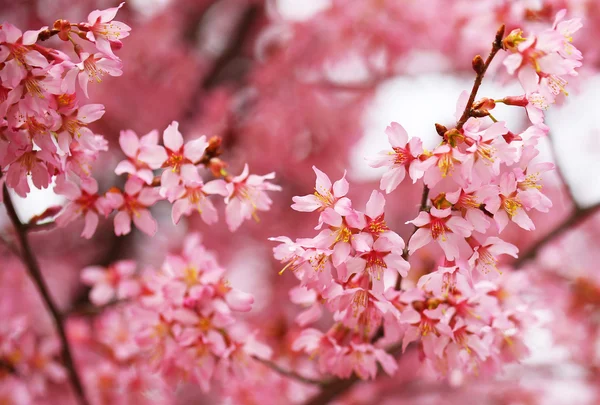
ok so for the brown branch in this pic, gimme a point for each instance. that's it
(233, 49)
(480, 70)
(577, 217)
(290, 374)
(33, 268)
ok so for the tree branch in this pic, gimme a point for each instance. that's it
(577, 217)
(290, 374)
(233, 48)
(480, 70)
(33, 268)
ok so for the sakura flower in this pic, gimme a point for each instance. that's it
(84, 200)
(91, 68)
(507, 205)
(487, 150)
(308, 298)
(74, 125)
(131, 145)
(382, 253)
(15, 46)
(117, 281)
(193, 195)
(469, 203)
(444, 280)
(173, 156)
(438, 164)
(485, 255)
(105, 32)
(247, 194)
(363, 359)
(38, 164)
(400, 159)
(567, 28)
(133, 205)
(325, 196)
(443, 227)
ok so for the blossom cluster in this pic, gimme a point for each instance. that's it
(45, 136)
(29, 360)
(480, 177)
(44, 123)
(177, 322)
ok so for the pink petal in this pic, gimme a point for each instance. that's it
(375, 205)
(122, 223)
(239, 301)
(172, 138)
(91, 223)
(397, 135)
(144, 222)
(153, 155)
(194, 150)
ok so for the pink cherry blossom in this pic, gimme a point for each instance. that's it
(133, 205)
(117, 281)
(105, 32)
(247, 194)
(91, 69)
(443, 227)
(85, 201)
(485, 255)
(401, 158)
(131, 146)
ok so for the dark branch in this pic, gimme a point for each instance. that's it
(290, 374)
(33, 268)
(577, 217)
(480, 70)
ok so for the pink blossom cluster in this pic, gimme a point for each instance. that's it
(44, 123)
(478, 179)
(45, 136)
(30, 361)
(177, 321)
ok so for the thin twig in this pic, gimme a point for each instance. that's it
(577, 216)
(561, 175)
(35, 273)
(232, 50)
(496, 46)
(291, 374)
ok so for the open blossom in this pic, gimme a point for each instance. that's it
(247, 194)
(105, 32)
(133, 205)
(487, 150)
(485, 255)
(84, 201)
(443, 227)
(376, 255)
(173, 156)
(74, 126)
(326, 195)
(117, 281)
(193, 195)
(91, 69)
(401, 158)
(507, 205)
(131, 146)
(439, 164)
